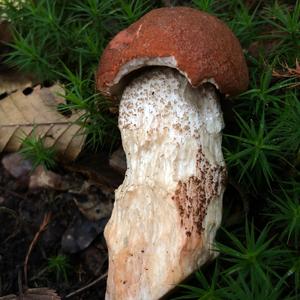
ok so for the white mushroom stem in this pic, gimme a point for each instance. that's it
(168, 209)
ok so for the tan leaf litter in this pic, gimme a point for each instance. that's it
(11, 81)
(34, 294)
(36, 113)
(288, 72)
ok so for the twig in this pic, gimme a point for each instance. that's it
(39, 274)
(87, 286)
(43, 226)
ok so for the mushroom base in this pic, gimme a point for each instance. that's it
(168, 209)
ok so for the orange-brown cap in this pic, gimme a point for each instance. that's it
(199, 45)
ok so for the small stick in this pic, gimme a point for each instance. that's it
(87, 286)
(43, 226)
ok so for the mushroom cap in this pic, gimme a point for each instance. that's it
(198, 45)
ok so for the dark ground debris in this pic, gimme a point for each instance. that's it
(69, 233)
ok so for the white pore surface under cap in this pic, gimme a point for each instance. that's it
(169, 206)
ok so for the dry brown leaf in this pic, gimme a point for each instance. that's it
(34, 294)
(118, 161)
(41, 178)
(40, 294)
(22, 115)
(16, 165)
(11, 81)
(9, 297)
(96, 168)
(288, 72)
(92, 202)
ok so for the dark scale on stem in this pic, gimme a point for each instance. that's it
(195, 194)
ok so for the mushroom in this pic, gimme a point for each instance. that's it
(169, 207)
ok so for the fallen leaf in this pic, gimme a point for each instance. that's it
(36, 113)
(10, 81)
(288, 72)
(92, 202)
(81, 233)
(45, 179)
(97, 169)
(94, 259)
(118, 161)
(9, 297)
(16, 165)
(34, 294)
(40, 294)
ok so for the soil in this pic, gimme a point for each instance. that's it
(21, 216)
(22, 212)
